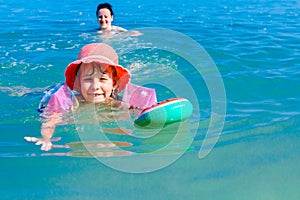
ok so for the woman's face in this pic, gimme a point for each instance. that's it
(105, 18)
(96, 83)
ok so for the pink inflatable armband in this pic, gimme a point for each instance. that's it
(139, 96)
(58, 99)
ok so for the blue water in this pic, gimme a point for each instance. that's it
(255, 48)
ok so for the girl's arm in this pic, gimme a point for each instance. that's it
(47, 131)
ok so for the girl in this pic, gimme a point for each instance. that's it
(95, 76)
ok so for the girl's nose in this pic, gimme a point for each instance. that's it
(96, 83)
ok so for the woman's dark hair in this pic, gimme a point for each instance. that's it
(105, 5)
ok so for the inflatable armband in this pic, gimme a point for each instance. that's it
(58, 99)
(139, 96)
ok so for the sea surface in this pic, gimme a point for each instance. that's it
(238, 62)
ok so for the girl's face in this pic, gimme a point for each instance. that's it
(105, 18)
(96, 82)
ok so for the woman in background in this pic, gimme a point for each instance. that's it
(105, 17)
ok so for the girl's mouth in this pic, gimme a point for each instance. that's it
(97, 94)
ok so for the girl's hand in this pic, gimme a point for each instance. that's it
(46, 143)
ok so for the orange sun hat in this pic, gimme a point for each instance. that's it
(100, 53)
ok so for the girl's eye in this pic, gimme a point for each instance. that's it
(88, 79)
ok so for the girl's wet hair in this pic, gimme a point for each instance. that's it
(104, 5)
(99, 68)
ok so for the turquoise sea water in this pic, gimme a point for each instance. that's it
(255, 47)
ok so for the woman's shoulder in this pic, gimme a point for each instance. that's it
(118, 28)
